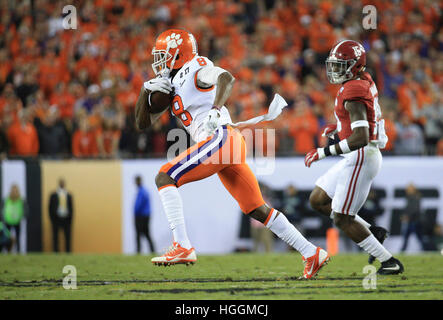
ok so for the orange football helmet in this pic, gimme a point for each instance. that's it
(173, 48)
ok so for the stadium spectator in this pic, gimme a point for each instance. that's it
(84, 141)
(433, 115)
(64, 99)
(269, 46)
(27, 87)
(3, 142)
(411, 216)
(391, 130)
(108, 138)
(61, 214)
(410, 139)
(142, 215)
(52, 134)
(14, 209)
(22, 136)
(304, 127)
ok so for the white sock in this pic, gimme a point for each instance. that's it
(173, 206)
(289, 234)
(372, 246)
(361, 221)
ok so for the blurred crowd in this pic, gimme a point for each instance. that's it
(71, 93)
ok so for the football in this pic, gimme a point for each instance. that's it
(160, 101)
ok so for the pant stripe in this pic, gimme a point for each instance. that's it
(201, 154)
(190, 155)
(350, 183)
(356, 178)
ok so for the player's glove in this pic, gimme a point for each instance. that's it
(314, 155)
(158, 84)
(212, 120)
(329, 131)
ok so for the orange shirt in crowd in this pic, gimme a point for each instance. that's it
(84, 144)
(322, 37)
(23, 139)
(65, 103)
(109, 139)
(408, 94)
(391, 132)
(303, 129)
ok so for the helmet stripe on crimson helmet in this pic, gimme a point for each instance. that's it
(337, 46)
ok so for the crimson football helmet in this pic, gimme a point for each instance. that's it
(346, 59)
(173, 48)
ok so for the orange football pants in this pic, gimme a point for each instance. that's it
(223, 153)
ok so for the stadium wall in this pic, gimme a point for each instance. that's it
(104, 193)
(96, 189)
(213, 218)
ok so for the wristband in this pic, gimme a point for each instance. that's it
(329, 151)
(344, 146)
(321, 153)
(359, 123)
(332, 150)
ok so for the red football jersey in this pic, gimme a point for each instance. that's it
(365, 91)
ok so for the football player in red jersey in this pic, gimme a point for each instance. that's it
(343, 189)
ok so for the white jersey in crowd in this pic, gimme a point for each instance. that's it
(191, 104)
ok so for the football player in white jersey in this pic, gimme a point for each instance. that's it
(201, 90)
(343, 189)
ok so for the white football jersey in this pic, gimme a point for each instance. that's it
(191, 104)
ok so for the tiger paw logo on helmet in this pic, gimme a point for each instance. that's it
(174, 40)
(173, 48)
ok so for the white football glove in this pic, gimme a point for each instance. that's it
(158, 84)
(212, 120)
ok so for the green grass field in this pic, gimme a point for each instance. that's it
(237, 276)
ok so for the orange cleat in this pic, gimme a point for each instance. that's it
(176, 255)
(315, 263)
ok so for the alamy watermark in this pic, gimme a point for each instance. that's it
(225, 147)
(369, 21)
(70, 280)
(70, 20)
(370, 281)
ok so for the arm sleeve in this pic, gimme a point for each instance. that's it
(208, 76)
